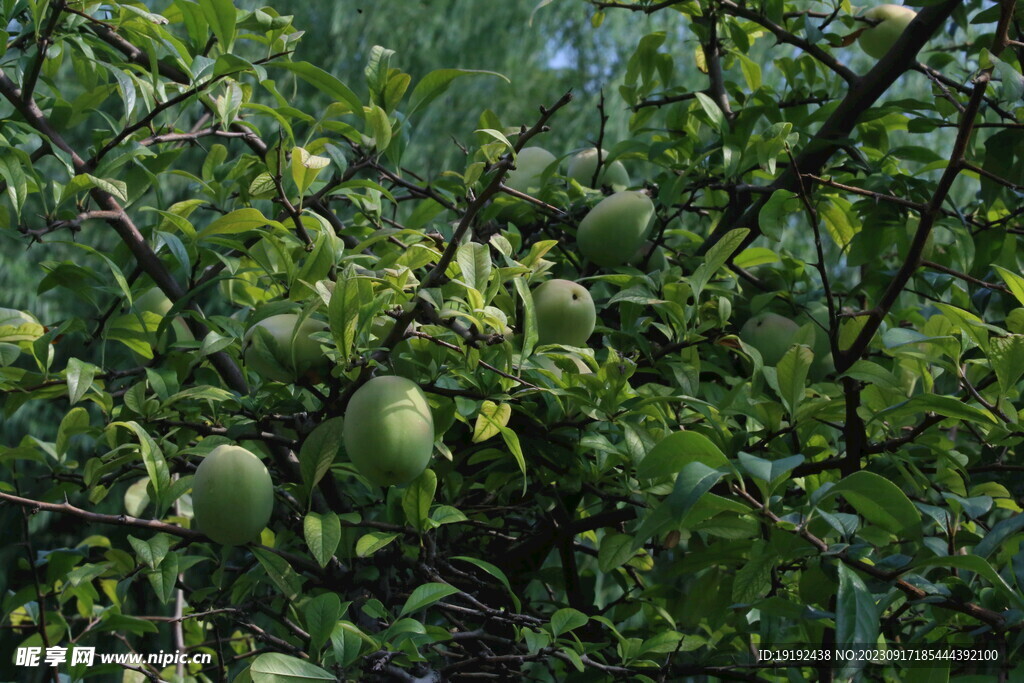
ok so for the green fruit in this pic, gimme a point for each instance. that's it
(530, 165)
(565, 313)
(583, 164)
(389, 431)
(878, 39)
(614, 229)
(156, 302)
(232, 495)
(770, 334)
(278, 349)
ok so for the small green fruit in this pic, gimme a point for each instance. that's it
(156, 302)
(770, 334)
(582, 165)
(278, 349)
(614, 229)
(565, 313)
(389, 430)
(232, 495)
(530, 165)
(878, 39)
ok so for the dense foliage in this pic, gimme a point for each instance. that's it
(795, 421)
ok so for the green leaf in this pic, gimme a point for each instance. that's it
(774, 213)
(379, 126)
(615, 551)
(880, 502)
(491, 419)
(972, 563)
(856, 612)
(716, 258)
(220, 14)
(164, 578)
(324, 82)
(694, 480)
(153, 551)
(280, 572)
(79, 376)
(152, 456)
(323, 534)
(305, 168)
(714, 113)
(791, 373)
(494, 571)
(941, 405)
(274, 667)
(435, 83)
(998, 535)
(417, 499)
(675, 451)
(753, 579)
(321, 613)
(1006, 355)
(241, 220)
(474, 261)
(427, 595)
(319, 450)
(1013, 281)
(372, 542)
(769, 470)
(567, 619)
(351, 291)
(75, 422)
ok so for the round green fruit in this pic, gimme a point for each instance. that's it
(565, 313)
(893, 20)
(582, 165)
(531, 163)
(278, 348)
(614, 229)
(156, 302)
(232, 495)
(389, 431)
(770, 334)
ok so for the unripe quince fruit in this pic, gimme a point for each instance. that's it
(894, 19)
(277, 348)
(389, 430)
(582, 165)
(530, 165)
(232, 495)
(156, 302)
(770, 334)
(565, 313)
(614, 229)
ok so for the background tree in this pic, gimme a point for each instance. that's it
(233, 243)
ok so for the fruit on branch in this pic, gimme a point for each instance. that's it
(611, 233)
(389, 430)
(893, 20)
(280, 348)
(582, 165)
(156, 302)
(565, 313)
(770, 334)
(232, 495)
(530, 165)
